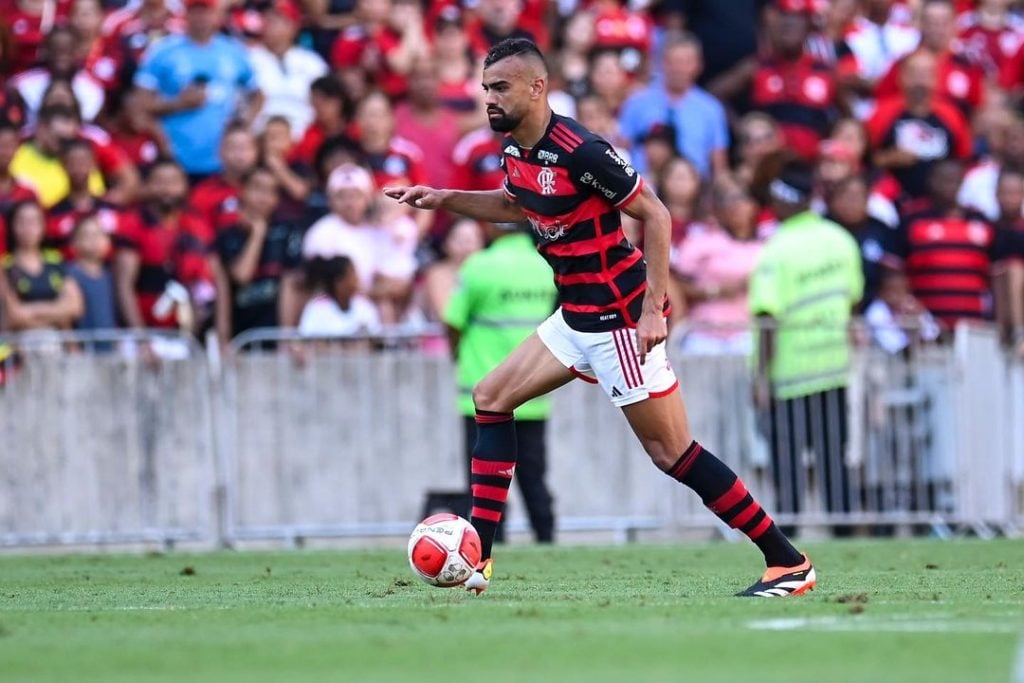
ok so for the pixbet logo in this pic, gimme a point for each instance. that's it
(512, 151)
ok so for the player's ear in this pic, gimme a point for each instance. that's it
(538, 87)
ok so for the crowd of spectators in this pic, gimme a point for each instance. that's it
(217, 164)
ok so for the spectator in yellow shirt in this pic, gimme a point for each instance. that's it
(37, 162)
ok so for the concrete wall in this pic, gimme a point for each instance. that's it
(105, 448)
(112, 449)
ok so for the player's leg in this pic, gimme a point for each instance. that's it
(470, 432)
(530, 371)
(662, 427)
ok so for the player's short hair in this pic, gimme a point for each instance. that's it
(514, 47)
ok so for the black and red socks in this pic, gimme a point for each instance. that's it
(491, 470)
(726, 495)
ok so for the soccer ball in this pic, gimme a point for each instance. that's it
(444, 550)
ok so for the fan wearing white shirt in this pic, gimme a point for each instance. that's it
(284, 70)
(382, 248)
(336, 310)
(897, 320)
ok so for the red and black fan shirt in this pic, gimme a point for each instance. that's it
(801, 96)
(63, 216)
(960, 82)
(169, 249)
(217, 202)
(477, 159)
(571, 185)
(949, 262)
(942, 134)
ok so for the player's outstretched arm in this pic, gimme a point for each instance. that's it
(647, 208)
(493, 206)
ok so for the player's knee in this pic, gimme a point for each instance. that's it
(487, 395)
(662, 452)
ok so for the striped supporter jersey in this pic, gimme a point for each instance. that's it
(949, 262)
(571, 185)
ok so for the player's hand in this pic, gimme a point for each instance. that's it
(419, 196)
(651, 330)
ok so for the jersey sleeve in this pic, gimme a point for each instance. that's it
(599, 170)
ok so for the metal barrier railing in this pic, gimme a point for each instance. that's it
(127, 437)
(351, 422)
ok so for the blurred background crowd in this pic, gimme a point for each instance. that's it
(217, 164)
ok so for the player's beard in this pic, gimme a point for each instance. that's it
(503, 123)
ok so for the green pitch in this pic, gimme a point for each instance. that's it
(884, 611)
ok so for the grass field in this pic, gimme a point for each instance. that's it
(925, 611)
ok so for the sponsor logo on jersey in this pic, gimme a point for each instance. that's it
(550, 232)
(545, 155)
(512, 151)
(621, 162)
(546, 180)
(589, 179)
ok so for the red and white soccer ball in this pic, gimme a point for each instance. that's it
(444, 549)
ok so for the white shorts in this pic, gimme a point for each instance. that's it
(610, 359)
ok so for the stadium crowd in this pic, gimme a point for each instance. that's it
(201, 164)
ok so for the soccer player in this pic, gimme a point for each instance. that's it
(610, 326)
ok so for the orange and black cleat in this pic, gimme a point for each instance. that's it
(782, 582)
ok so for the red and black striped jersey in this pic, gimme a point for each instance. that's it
(949, 262)
(571, 185)
(801, 96)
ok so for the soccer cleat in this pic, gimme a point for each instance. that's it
(481, 578)
(781, 582)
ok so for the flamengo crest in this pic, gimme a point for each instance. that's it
(546, 180)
